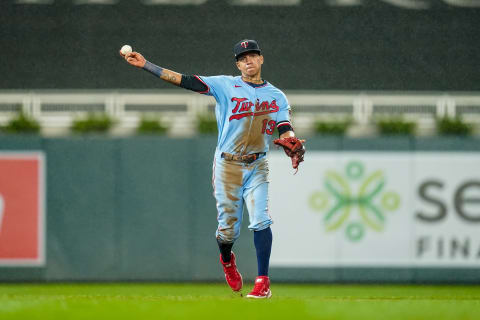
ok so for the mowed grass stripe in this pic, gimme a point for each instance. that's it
(208, 301)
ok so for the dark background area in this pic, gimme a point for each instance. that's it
(374, 46)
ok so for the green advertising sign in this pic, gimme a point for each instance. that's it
(354, 200)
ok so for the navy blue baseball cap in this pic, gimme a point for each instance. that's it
(246, 46)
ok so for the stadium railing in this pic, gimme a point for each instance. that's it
(56, 110)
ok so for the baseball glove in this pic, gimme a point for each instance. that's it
(294, 148)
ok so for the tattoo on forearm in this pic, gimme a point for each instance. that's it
(168, 77)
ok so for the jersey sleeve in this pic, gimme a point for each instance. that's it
(283, 114)
(214, 85)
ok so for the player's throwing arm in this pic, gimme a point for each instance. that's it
(185, 81)
(136, 59)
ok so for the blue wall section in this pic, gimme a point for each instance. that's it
(141, 208)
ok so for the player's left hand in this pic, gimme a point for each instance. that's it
(293, 148)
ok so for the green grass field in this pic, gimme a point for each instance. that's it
(216, 301)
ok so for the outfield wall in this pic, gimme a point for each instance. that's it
(141, 208)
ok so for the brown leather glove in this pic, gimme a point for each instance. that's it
(294, 148)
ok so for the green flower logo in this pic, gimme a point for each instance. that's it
(339, 201)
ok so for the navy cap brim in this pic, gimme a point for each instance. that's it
(247, 51)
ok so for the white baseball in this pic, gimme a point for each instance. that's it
(126, 49)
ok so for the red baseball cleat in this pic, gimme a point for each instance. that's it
(233, 277)
(261, 290)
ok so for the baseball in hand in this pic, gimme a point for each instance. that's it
(126, 49)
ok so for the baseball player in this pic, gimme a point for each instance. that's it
(248, 110)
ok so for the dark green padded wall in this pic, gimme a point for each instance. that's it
(141, 208)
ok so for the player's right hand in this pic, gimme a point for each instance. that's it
(135, 59)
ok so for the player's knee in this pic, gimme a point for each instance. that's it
(227, 235)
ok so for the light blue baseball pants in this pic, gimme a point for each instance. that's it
(236, 184)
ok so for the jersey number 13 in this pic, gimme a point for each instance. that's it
(268, 126)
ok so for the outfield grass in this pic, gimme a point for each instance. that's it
(216, 301)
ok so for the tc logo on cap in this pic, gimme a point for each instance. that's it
(244, 44)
